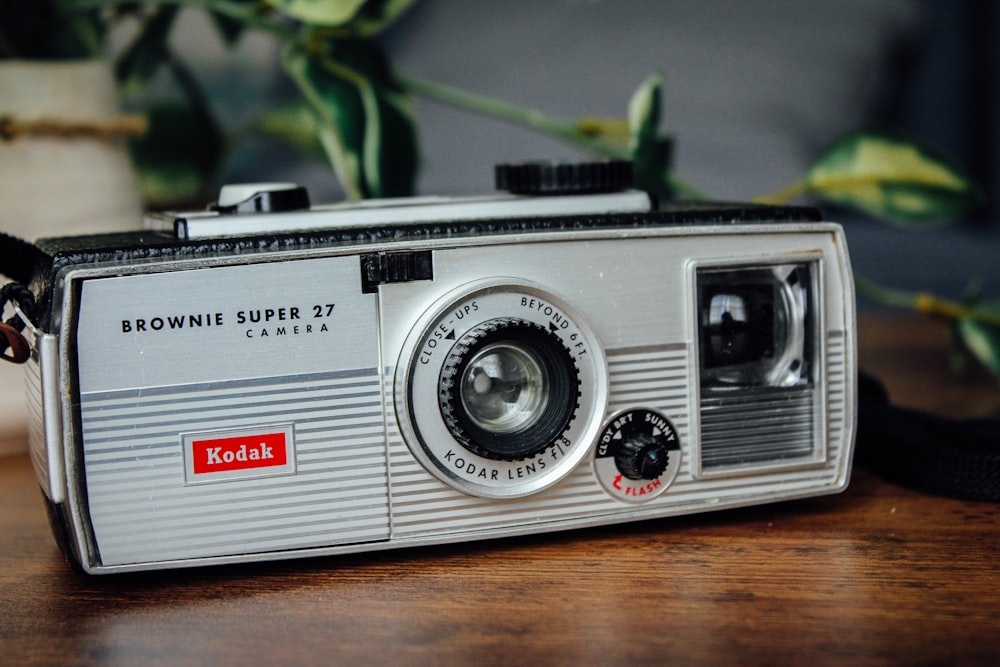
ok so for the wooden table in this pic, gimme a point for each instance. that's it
(877, 575)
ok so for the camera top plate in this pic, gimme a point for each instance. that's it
(401, 211)
(391, 223)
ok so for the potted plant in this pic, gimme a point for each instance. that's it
(62, 137)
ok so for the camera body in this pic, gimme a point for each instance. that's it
(272, 380)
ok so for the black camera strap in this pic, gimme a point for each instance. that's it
(18, 260)
(959, 458)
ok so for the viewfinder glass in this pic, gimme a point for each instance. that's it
(755, 326)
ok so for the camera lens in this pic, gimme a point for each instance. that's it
(503, 389)
(508, 389)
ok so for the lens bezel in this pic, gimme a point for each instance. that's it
(425, 352)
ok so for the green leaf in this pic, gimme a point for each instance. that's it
(650, 151)
(229, 28)
(147, 52)
(891, 178)
(323, 13)
(52, 30)
(983, 342)
(614, 132)
(177, 156)
(377, 15)
(364, 120)
(644, 112)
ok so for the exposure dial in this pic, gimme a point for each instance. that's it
(638, 455)
(643, 456)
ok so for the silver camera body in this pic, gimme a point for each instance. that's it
(236, 385)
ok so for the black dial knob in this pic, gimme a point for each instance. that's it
(642, 456)
(508, 389)
(550, 178)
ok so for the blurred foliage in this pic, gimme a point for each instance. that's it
(363, 118)
(50, 30)
(357, 111)
(890, 178)
(354, 108)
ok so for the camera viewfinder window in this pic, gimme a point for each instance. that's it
(755, 326)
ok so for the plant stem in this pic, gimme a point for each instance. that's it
(922, 302)
(885, 295)
(571, 132)
(487, 106)
(785, 195)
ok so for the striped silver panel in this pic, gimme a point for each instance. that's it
(655, 378)
(747, 427)
(141, 509)
(836, 392)
(36, 422)
(41, 384)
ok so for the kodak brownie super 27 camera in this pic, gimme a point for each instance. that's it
(270, 380)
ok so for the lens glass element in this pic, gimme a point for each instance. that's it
(504, 389)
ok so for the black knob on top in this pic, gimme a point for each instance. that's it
(552, 178)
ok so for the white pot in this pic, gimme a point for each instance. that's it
(56, 186)
(51, 186)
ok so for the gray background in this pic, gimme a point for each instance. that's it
(753, 92)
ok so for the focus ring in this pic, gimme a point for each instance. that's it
(555, 408)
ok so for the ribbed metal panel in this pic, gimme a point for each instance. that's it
(141, 509)
(836, 393)
(36, 421)
(754, 427)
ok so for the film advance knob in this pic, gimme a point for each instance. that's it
(508, 389)
(262, 198)
(564, 178)
(642, 456)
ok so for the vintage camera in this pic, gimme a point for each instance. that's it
(268, 379)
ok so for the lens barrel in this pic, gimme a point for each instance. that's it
(508, 389)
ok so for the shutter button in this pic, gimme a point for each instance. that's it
(262, 198)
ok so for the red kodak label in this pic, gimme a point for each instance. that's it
(259, 450)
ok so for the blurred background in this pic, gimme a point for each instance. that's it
(753, 92)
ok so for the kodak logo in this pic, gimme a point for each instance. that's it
(239, 453)
(216, 455)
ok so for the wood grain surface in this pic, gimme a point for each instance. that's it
(878, 575)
